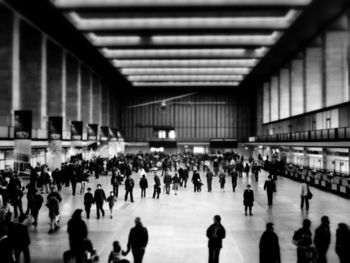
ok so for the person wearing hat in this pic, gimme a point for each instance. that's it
(322, 239)
(248, 199)
(269, 246)
(215, 233)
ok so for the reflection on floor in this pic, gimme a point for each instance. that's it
(177, 224)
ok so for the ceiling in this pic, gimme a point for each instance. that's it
(173, 43)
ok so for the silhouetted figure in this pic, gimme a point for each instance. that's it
(269, 246)
(234, 176)
(270, 188)
(342, 243)
(248, 200)
(53, 203)
(115, 182)
(167, 182)
(322, 239)
(302, 238)
(111, 201)
(222, 179)
(304, 196)
(77, 233)
(137, 242)
(99, 198)
(209, 177)
(215, 233)
(21, 240)
(88, 201)
(196, 180)
(129, 186)
(5, 246)
(143, 185)
(156, 190)
(36, 205)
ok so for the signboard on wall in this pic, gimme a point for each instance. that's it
(55, 128)
(76, 130)
(113, 134)
(22, 154)
(23, 124)
(92, 132)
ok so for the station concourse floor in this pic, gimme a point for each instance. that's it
(177, 224)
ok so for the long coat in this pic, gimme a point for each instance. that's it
(248, 197)
(269, 248)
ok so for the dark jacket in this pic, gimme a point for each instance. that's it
(99, 196)
(269, 248)
(129, 183)
(138, 237)
(88, 199)
(322, 238)
(156, 181)
(216, 233)
(248, 197)
(77, 231)
(270, 186)
(143, 183)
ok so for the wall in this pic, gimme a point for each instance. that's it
(38, 73)
(311, 91)
(199, 121)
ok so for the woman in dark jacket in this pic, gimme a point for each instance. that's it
(77, 232)
(143, 185)
(248, 199)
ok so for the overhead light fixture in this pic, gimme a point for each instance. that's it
(185, 77)
(145, 3)
(185, 83)
(205, 52)
(216, 39)
(91, 24)
(186, 40)
(113, 40)
(188, 71)
(142, 63)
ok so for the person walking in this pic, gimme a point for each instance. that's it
(53, 203)
(305, 196)
(115, 184)
(209, 177)
(111, 202)
(302, 238)
(77, 233)
(88, 201)
(167, 182)
(22, 240)
(246, 169)
(196, 180)
(270, 188)
(156, 189)
(176, 183)
(322, 239)
(234, 176)
(269, 246)
(137, 242)
(99, 198)
(37, 202)
(215, 234)
(248, 200)
(129, 186)
(143, 185)
(222, 180)
(256, 170)
(342, 243)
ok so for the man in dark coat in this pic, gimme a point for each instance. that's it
(20, 239)
(322, 239)
(36, 205)
(88, 201)
(99, 198)
(248, 199)
(234, 176)
(215, 233)
(196, 180)
(269, 246)
(270, 188)
(137, 242)
(209, 176)
(129, 186)
(167, 182)
(77, 232)
(156, 185)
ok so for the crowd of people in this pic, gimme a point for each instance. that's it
(44, 187)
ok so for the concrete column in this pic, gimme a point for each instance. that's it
(16, 94)
(31, 72)
(7, 56)
(96, 100)
(72, 90)
(79, 92)
(105, 106)
(85, 94)
(64, 90)
(43, 83)
(306, 157)
(324, 158)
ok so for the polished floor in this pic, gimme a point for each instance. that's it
(177, 224)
